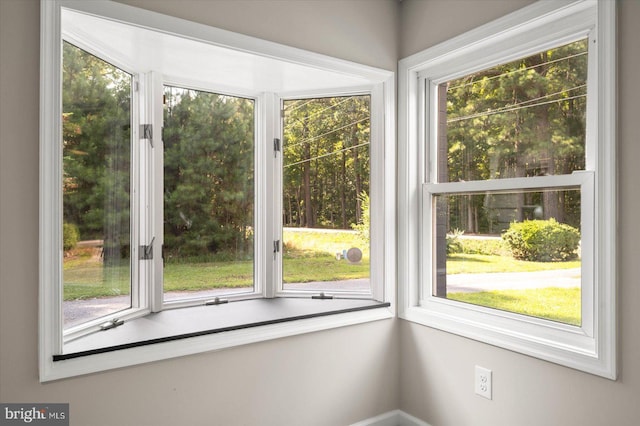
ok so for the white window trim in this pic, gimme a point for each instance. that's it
(591, 348)
(50, 275)
(377, 191)
(262, 201)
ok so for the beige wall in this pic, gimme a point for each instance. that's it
(328, 378)
(363, 31)
(437, 368)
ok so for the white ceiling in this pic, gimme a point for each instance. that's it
(138, 49)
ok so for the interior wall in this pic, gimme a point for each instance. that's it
(437, 373)
(333, 377)
(361, 31)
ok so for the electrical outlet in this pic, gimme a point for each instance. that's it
(483, 382)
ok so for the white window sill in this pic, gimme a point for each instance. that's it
(180, 332)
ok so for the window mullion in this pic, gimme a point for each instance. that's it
(268, 196)
(151, 208)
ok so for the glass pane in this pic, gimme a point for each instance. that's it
(208, 194)
(96, 122)
(326, 194)
(526, 258)
(524, 118)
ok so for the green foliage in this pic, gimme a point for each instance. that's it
(542, 240)
(458, 243)
(325, 161)
(70, 236)
(454, 244)
(484, 246)
(208, 174)
(364, 225)
(208, 163)
(96, 101)
(519, 119)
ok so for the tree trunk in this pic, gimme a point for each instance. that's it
(343, 195)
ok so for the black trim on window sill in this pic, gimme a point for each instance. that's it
(166, 325)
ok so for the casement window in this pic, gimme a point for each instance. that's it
(202, 185)
(508, 148)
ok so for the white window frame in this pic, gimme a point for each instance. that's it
(139, 229)
(262, 202)
(149, 199)
(542, 25)
(376, 191)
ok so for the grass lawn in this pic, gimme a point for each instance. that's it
(556, 304)
(481, 264)
(309, 255)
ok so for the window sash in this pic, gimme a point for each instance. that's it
(536, 27)
(377, 193)
(585, 180)
(138, 296)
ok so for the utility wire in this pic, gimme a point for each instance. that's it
(327, 133)
(524, 102)
(515, 71)
(325, 155)
(317, 112)
(297, 104)
(485, 114)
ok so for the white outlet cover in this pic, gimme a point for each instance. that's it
(483, 383)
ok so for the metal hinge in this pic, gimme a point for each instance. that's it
(146, 252)
(276, 146)
(146, 132)
(276, 248)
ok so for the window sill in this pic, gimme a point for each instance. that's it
(180, 332)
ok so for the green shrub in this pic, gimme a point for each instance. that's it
(454, 245)
(484, 246)
(70, 236)
(542, 240)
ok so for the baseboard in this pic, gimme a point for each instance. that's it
(392, 418)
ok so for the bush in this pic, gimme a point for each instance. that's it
(484, 246)
(454, 245)
(542, 240)
(70, 236)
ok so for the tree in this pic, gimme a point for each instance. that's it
(208, 184)
(96, 150)
(525, 118)
(326, 161)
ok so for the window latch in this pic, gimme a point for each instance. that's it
(116, 322)
(321, 296)
(216, 301)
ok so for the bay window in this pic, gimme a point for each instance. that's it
(188, 194)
